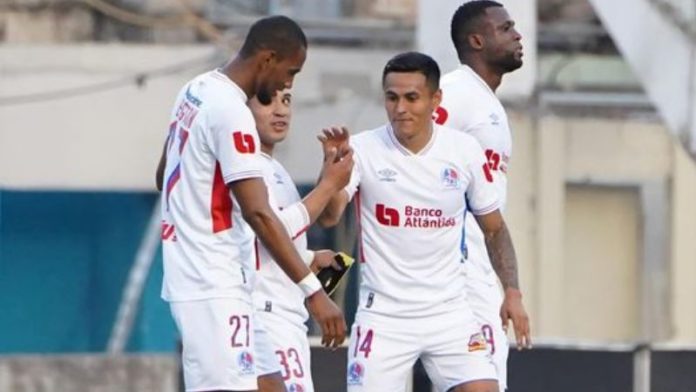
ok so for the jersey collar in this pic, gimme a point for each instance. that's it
(473, 74)
(223, 78)
(406, 151)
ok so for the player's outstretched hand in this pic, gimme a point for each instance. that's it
(334, 137)
(336, 171)
(329, 317)
(512, 309)
(324, 258)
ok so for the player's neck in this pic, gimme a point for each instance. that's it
(491, 76)
(267, 149)
(241, 73)
(416, 142)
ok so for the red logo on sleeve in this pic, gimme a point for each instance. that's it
(487, 172)
(440, 115)
(244, 143)
(493, 159)
(387, 216)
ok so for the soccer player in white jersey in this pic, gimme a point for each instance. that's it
(279, 304)
(214, 200)
(413, 182)
(488, 46)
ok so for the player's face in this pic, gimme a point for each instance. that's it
(278, 74)
(502, 41)
(410, 103)
(272, 120)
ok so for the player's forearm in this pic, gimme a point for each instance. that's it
(318, 199)
(333, 211)
(502, 255)
(274, 237)
(159, 173)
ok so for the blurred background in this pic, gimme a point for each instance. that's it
(602, 201)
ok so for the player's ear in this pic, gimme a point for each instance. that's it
(475, 41)
(437, 98)
(266, 57)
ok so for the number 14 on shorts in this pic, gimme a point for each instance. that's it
(362, 347)
(363, 342)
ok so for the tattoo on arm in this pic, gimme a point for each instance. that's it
(502, 255)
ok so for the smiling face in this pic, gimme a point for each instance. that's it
(410, 102)
(272, 120)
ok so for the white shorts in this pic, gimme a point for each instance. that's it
(383, 351)
(219, 344)
(290, 345)
(485, 300)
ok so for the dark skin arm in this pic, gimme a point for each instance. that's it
(252, 197)
(159, 174)
(251, 194)
(504, 262)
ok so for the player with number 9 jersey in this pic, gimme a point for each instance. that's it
(469, 104)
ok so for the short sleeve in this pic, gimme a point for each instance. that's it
(354, 181)
(450, 112)
(481, 192)
(234, 141)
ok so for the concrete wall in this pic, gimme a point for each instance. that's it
(89, 373)
(596, 156)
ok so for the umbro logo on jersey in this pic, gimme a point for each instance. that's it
(495, 119)
(278, 178)
(387, 175)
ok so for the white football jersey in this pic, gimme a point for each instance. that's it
(275, 291)
(207, 246)
(469, 105)
(411, 214)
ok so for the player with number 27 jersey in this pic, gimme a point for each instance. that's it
(208, 248)
(216, 256)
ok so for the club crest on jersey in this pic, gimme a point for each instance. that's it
(295, 387)
(246, 363)
(387, 175)
(477, 342)
(450, 178)
(356, 373)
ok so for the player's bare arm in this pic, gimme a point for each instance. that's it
(335, 175)
(252, 196)
(159, 174)
(504, 262)
(334, 139)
